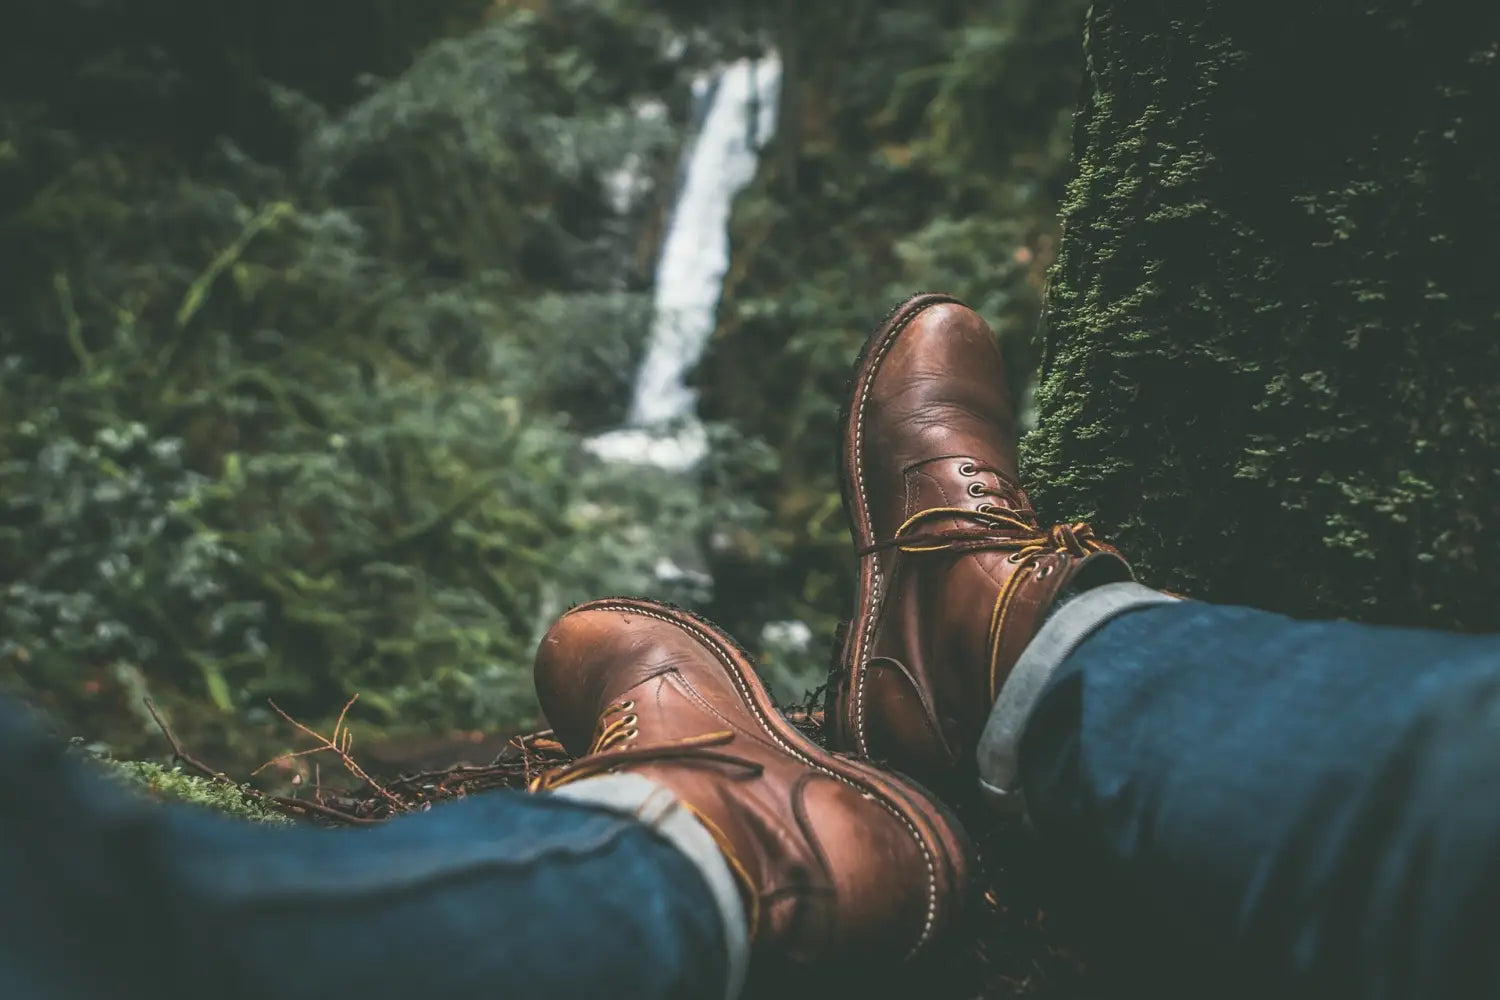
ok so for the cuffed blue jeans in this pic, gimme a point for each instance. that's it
(606, 889)
(1315, 804)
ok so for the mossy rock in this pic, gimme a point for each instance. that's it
(1270, 372)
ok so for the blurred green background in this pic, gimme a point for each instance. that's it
(308, 309)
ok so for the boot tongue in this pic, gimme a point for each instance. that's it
(963, 482)
(963, 486)
(952, 582)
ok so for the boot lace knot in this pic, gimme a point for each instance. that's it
(993, 528)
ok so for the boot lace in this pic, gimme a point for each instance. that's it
(611, 749)
(994, 529)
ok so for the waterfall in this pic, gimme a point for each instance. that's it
(663, 428)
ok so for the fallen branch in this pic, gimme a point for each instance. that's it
(299, 806)
(181, 755)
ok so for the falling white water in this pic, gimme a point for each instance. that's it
(663, 427)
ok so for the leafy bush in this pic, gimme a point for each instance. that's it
(306, 427)
(301, 340)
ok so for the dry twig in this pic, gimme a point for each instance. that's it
(339, 744)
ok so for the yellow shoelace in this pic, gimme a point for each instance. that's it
(609, 750)
(996, 529)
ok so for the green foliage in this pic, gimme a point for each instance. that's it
(301, 340)
(1272, 370)
(307, 425)
(171, 785)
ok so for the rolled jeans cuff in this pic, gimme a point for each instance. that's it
(1060, 635)
(656, 807)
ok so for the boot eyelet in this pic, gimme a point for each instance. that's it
(976, 489)
(626, 706)
(967, 469)
(1014, 557)
(1043, 571)
(985, 508)
(632, 734)
(630, 720)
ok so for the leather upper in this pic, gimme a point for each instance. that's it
(956, 572)
(832, 859)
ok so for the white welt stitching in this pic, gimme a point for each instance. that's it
(862, 657)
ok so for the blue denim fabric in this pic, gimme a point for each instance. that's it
(103, 894)
(1317, 803)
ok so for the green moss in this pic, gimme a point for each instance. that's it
(170, 784)
(1269, 367)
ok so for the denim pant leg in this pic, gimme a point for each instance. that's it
(103, 894)
(1318, 800)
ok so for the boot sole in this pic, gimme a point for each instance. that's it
(950, 854)
(845, 699)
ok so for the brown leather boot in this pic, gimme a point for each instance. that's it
(834, 858)
(955, 573)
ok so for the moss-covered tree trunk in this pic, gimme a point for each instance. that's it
(1272, 370)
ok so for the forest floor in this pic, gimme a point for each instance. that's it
(1006, 946)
